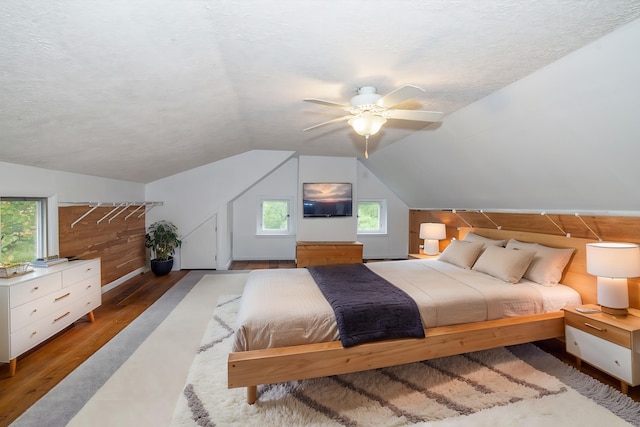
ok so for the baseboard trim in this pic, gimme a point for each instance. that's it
(123, 279)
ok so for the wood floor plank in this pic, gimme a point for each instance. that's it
(40, 369)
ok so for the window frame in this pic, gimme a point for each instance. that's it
(260, 231)
(43, 231)
(382, 219)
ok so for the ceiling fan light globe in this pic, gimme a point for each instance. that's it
(367, 124)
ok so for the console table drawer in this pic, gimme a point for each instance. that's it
(326, 253)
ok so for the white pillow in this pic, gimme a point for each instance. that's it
(506, 264)
(461, 253)
(473, 237)
(547, 266)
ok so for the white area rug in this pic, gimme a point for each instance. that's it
(504, 386)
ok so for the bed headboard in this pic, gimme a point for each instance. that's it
(575, 274)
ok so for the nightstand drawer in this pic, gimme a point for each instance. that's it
(600, 329)
(604, 355)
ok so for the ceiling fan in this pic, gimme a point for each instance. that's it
(368, 110)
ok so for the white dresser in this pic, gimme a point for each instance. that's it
(37, 305)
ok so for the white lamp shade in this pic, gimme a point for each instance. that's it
(613, 260)
(367, 124)
(433, 231)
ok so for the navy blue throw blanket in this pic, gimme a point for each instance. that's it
(367, 306)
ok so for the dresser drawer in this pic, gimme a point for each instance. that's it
(32, 335)
(81, 272)
(600, 329)
(33, 311)
(605, 355)
(34, 289)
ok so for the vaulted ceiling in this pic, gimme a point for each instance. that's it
(140, 90)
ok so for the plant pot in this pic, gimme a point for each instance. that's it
(160, 267)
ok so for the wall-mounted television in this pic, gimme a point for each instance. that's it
(326, 199)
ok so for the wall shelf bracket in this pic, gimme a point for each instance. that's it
(589, 228)
(463, 220)
(118, 208)
(556, 224)
(499, 227)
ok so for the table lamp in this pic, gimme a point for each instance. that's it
(431, 232)
(613, 263)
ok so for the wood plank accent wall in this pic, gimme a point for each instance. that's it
(119, 244)
(608, 228)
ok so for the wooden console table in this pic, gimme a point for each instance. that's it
(325, 253)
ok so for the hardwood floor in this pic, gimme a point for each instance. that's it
(42, 368)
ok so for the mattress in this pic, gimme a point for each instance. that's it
(284, 307)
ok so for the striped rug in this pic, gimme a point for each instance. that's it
(519, 385)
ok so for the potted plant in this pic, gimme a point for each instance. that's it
(162, 239)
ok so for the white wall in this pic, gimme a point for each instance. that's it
(394, 244)
(60, 187)
(18, 180)
(281, 183)
(285, 182)
(564, 138)
(327, 169)
(192, 197)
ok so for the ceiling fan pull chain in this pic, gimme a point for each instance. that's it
(366, 146)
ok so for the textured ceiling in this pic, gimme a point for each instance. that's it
(139, 90)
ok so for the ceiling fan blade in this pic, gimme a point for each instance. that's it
(327, 103)
(339, 119)
(418, 115)
(399, 95)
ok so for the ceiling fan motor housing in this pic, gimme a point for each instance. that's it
(366, 96)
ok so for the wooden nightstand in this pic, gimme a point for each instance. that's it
(611, 344)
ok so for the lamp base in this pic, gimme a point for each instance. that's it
(614, 311)
(431, 247)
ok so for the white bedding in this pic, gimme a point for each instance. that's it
(284, 307)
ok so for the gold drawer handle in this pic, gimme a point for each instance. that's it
(33, 333)
(63, 316)
(35, 310)
(63, 296)
(36, 288)
(595, 327)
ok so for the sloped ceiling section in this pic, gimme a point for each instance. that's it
(140, 90)
(565, 138)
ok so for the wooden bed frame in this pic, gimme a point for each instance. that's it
(252, 368)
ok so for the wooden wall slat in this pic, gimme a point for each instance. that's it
(119, 244)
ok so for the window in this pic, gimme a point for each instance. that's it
(372, 217)
(274, 216)
(23, 229)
